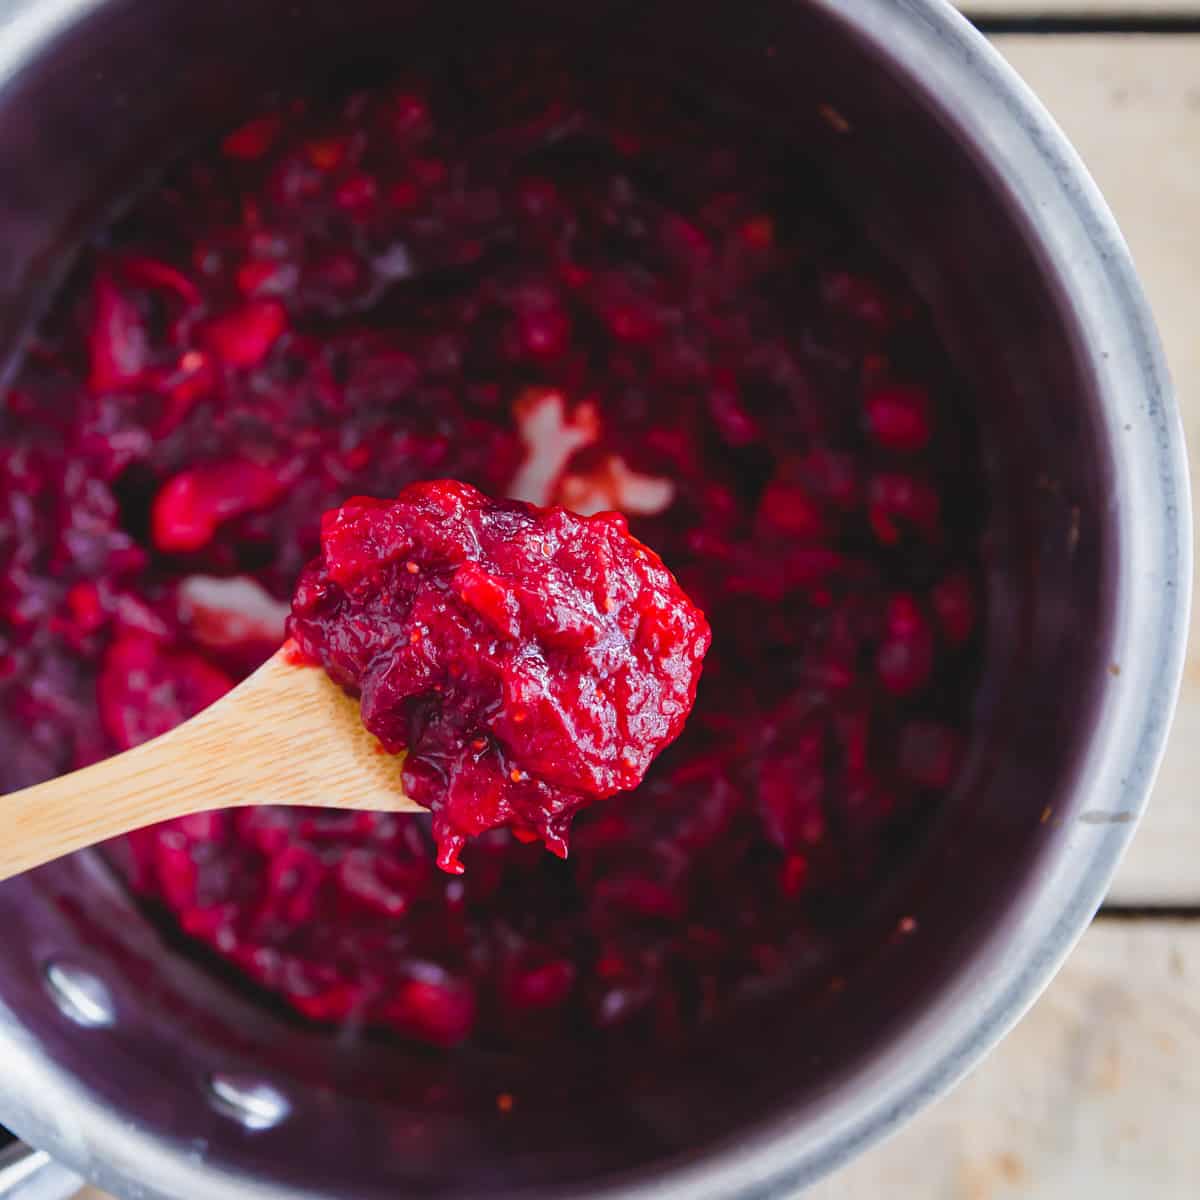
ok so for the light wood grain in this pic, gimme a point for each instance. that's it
(287, 735)
(1131, 105)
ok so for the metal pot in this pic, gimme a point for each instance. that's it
(133, 1066)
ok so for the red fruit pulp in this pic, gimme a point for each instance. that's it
(529, 660)
(557, 285)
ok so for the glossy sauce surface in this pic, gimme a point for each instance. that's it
(529, 660)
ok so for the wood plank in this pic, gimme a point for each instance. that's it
(1131, 105)
(1094, 1094)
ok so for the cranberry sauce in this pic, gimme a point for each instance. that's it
(528, 659)
(564, 290)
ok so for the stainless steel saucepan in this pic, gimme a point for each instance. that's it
(124, 1061)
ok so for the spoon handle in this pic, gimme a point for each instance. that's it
(287, 735)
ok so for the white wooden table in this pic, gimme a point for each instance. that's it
(1097, 1092)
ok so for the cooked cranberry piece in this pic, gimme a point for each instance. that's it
(433, 1007)
(118, 339)
(898, 418)
(900, 506)
(191, 505)
(954, 602)
(253, 139)
(905, 659)
(244, 337)
(530, 660)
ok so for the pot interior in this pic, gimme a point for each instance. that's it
(117, 92)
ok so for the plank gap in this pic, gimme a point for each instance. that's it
(1149, 912)
(1069, 23)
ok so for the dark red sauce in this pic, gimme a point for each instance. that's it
(529, 660)
(570, 290)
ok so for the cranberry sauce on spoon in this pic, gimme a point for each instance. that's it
(529, 660)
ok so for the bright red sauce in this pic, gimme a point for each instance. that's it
(529, 660)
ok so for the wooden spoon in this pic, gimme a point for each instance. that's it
(286, 735)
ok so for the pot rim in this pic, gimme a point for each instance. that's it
(1049, 190)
